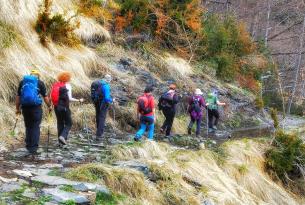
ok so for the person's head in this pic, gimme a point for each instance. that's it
(64, 77)
(107, 78)
(35, 73)
(172, 87)
(198, 92)
(148, 89)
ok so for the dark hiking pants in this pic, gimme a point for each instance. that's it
(213, 116)
(198, 127)
(101, 113)
(169, 115)
(64, 122)
(32, 119)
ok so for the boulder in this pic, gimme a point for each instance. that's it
(133, 165)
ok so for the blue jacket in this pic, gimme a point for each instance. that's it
(106, 93)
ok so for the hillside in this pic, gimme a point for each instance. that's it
(181, 170)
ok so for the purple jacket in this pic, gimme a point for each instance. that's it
(196, 115)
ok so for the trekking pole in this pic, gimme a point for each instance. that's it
(48, 141)
(15, 125)
(113, 110)
(85, 125)
(207, 116)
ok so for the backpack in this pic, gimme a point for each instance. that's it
(30, 91)
(143, 105)
(212, 100)
(55, 92)
(97, 94)
(165, 101)
(196, 104)
(63, 100)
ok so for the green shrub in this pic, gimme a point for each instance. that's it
(55, 28)
(286, 157)
(259, 102)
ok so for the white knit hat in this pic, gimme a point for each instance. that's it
(107, 78)
(198, 92)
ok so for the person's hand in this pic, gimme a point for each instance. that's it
(18, 112)
(81, 100)
(50, 109)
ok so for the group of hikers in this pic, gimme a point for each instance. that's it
(32, 91)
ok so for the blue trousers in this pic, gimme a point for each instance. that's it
(32, 119)
(146, 122)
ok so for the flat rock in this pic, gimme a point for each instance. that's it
(51, 166)
(207, 202)
(134, 165)
(9, 187)
(29, 194)
(63, 196)
(53, 180)
(85, 187)
(7, 180)
(22, 173)
(38, 171)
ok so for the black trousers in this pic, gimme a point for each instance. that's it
(64, 122)
(101, 114)
(32, 120)
(211, 115)
(169, 115)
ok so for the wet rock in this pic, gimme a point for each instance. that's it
(22, 173)
(85, 187)
(133, 165)
(51, 166)
(63, 196)
(9, 187)
(53, 180)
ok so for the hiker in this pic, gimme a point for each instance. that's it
(196, 104)
(212, 109)
(101, 97)
(146, 114)
(61, 96)
(167, 104)
(28, 98)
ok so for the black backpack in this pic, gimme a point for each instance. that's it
(63, 99)
(97, 94)
(165, 101)
(196, 105)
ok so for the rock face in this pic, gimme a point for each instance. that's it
(63, 196)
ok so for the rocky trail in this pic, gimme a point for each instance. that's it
(40, 179)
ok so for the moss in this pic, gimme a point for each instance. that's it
(67, 188)
(106, 199)
(242, 169)
(68, 202)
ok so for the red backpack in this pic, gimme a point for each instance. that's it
(55, 92)
(143, 104)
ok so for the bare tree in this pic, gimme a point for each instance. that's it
(297, 68)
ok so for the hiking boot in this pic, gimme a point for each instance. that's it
(214, 128)
(98, 140)
(211, 130)
(189, 131)
(136, 139)
(62, 140)
(161, 130)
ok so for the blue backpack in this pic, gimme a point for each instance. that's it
(97, 93)
(29, 91)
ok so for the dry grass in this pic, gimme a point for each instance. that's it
(241, 180)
